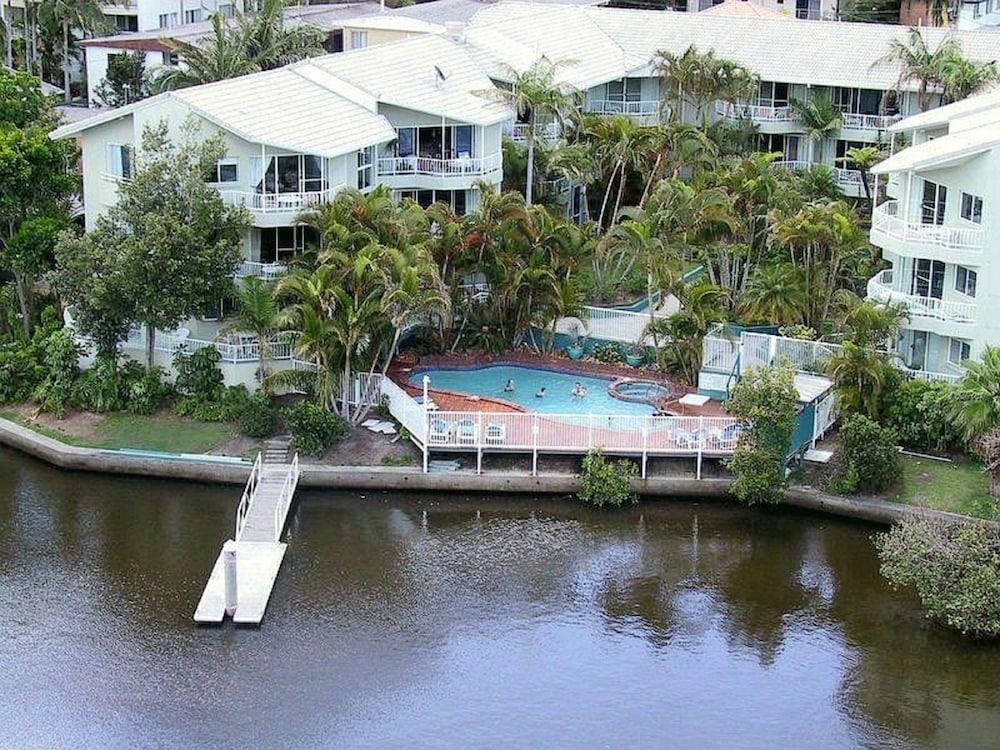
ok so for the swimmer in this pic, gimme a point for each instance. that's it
(541, 392)
(578, 390)
(509, 388)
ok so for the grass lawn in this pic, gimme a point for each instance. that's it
(959, 487)
(155, 433)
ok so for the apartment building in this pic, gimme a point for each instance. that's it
(937, 229)
(611, 54)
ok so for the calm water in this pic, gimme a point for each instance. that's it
(490, 381)
(484, 623)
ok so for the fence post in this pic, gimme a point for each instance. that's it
(534, 445)
(427, 426)
(479, 443)
(645, 435)
(590, 432)
(701, 442)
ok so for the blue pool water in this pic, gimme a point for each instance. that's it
(490, 381)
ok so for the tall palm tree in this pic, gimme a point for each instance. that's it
(67, 15)
(863, 158)
(700, 78)
(861, 375)
(918, 62)
(975, 407)
(960, 77)
(820, 118)
(870, 323)
(621, 145)
(577, 164)
(777, 295)
(256, 313)
(223, 55)
(271, 43)
(537, 95)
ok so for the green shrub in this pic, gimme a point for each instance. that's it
(758, 475)
(918, 412)
(259, 418)
(313, 428)
(61, 358)
(100, 388)
(198, 375)
(147, 391)
(954, 569)
(21, 371)
(227, 406)
(867, 458)
(607, 482)
(609, 354)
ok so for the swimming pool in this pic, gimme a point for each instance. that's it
(490, 381)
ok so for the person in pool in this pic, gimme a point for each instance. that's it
(509, 388)
(541, 392)
(578, 390)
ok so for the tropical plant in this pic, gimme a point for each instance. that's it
(701, 304)
(863, 377)
(536, 95)
(257, 314)
(68, 15)
(699, 78)
(975, 407)
(919, 413)
(867, 459)
(604, 482)
(819, 117)
(313, 428)
(777, 295)
(125, 81)
(863, 158)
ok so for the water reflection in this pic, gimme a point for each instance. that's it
(453, 623)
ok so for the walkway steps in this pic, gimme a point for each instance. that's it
(259, 551)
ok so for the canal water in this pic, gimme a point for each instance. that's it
(422, 621)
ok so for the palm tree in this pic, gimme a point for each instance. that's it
(918, 62)
(256, 313)
(68, 15)
(536, 95)
(621, 144)
(576, 163)
(223, 55)
(702, 304)
(270, 43)
(863, 159)
(870, 323)
(975, 408)
(960, 77)
(777, 295)
(861, 376)
(699, 78)
(819, 118)
(414, 292)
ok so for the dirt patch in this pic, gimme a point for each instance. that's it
(360, 447)
(244, 446)
(77, 424)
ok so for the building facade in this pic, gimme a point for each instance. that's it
(936, 229)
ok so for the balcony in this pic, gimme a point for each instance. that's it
(274, 209)
(852, 121)
(849, 180)
(880, 289)
(759, 114)
(421, 172)
(645, 108)
(951, 244)
(518, 132)
(266, 271)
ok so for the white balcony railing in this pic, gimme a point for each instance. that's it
(880, 289)
(276, 203)
(755, 112)
(643, 108)
(845, 177)
(471, 166)
(886, 221)
(518, 132)
(266, 271)
(868, 122)
(928, 375)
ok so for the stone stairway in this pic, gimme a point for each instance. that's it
(276, 449)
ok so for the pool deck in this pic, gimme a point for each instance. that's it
(403, 368)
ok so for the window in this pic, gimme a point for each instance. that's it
(958, 351)
(772, 94)
(192, 16)
(227, 10)
(965, 281)
(171, 58)
(119, 161)
(928, 279)
(281, 243)
(972, 208)
(366, 167)
(932, 207)
(126, 23)
(359, 39)
(857, 101)
(842, 148)
(225, 170)
(406, 141)
(167, 20)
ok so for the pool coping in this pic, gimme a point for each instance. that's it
(390, 478)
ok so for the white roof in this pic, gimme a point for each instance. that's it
(393, 23)
(941, 116)
(328, 105)
(609, 43)
(811, 387)
(944, 151)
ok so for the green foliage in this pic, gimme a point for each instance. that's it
(146, 391)
(259, 418)
(918, 412)
(313, 428)
(764, 401)
(607, 482)
(975, 408)
(609, 354)
(125, 81)
(954, 569)
(198, 375)
(100, 388)
(867, 459)
(61, 358)
(863, 377)
(21, 371)
(22, 103)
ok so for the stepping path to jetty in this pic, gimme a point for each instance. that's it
(253, 557)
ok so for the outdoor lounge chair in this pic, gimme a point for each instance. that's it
(467, 432)
(496, 434)
(440, 431)
(686, 440)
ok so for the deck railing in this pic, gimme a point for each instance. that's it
(243, 350)
(644, 108)
(845, 177)
(755, 112)
(880, 289)
(886, 220)
(285, 496)
(404, 165)
(278, 202)
(405, 409)
(613, 324)
(868, 122)
(266, 271)
(518, 131)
